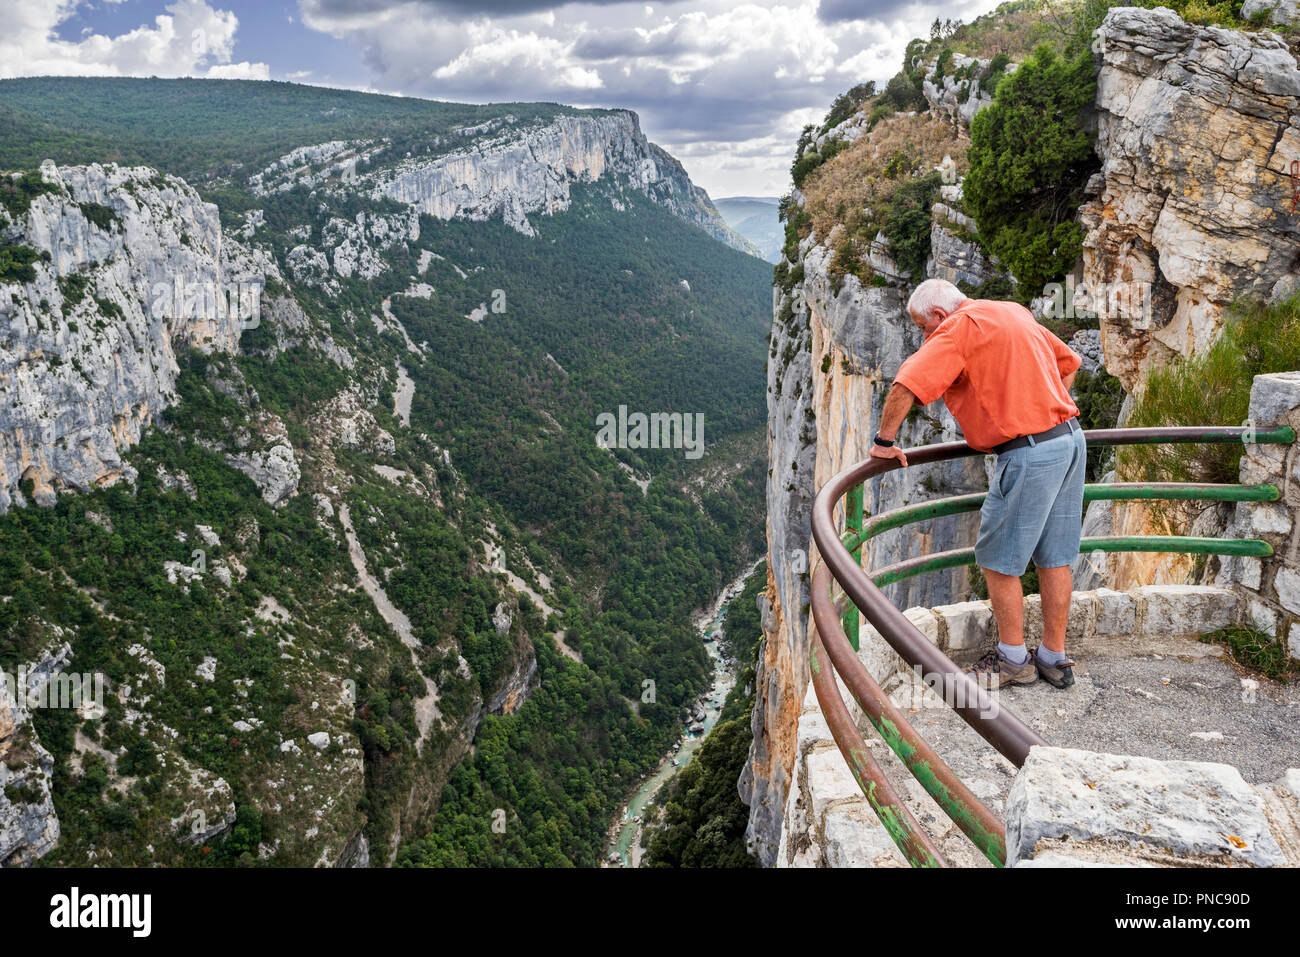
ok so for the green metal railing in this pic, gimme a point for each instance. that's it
(838, 625)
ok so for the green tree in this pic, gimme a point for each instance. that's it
(1030, 156)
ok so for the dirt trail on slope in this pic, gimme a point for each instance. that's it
(426, 708)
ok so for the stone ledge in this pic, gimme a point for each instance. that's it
(1174, 611)
(1122, 809)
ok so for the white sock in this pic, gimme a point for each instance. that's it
(1016, 654)
(1051, 658)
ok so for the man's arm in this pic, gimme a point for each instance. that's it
(1068, 380)
(897, 404)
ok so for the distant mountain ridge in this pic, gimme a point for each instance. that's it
(757, 219)
(512, 160)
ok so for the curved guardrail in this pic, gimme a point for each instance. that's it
(835, 641)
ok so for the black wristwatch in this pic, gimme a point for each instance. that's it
(883, 443)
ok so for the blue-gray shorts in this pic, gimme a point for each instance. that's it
(1034, 507)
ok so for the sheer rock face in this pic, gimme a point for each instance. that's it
(1197, 128)
(88, 346)
(833, 358)
(517, 173)
(29, 826)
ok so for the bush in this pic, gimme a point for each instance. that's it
(846, 104)
(102, 216)
(941, 65)
(1099, 398)
(878, 113)
(1211, 388)
(988, 81)
(17, 192)
(1030, 157)
(904, 94)
(16, 263)
(1256, 650)
(905, 221)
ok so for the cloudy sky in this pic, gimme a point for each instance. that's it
(725, 87)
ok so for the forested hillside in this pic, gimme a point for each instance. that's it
(411, 420)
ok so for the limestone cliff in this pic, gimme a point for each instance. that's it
(512, 170)
(132, 268)
(1196, 132)
(29, 826)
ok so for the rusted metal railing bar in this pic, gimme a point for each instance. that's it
(916, 845)
(1004, 731)
(967, 811)
(1007, 733)
(997, 725)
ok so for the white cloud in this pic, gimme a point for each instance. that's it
(724, 87)
(495, 53)
(190, 39)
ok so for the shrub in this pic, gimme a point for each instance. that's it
(1256, 650)
(17, 192)
(73, 287)
(878, 113)
(16, 263)
(941, 65)
(905, 221)
(1211, 388)
(1099, 397)
(1030, 157)
(904, 94)
(102, 216)
(846, 104)
(997, 68)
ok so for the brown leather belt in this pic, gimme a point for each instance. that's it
(1053, 432)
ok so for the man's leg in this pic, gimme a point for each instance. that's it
(1008, 601)
(1058, 546)
(1055, 586)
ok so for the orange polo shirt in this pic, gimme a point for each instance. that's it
(998, 369)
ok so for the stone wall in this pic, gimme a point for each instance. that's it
(1270, 586)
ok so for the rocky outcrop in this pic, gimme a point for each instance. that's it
(29, 826)
(963, 90)
(514, 689)
(132, 268)
(955, 255)
(1193, 204)
(515, 173)
(1271, 11)
(352, 248)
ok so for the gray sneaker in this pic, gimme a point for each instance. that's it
(995, 669)
(1058, 676)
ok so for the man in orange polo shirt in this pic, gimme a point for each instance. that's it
(1006, 379)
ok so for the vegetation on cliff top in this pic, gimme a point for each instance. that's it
(1211, 388)
(1030, 157)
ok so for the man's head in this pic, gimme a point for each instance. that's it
(932, 302)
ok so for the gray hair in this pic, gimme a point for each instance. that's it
(932, 293)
